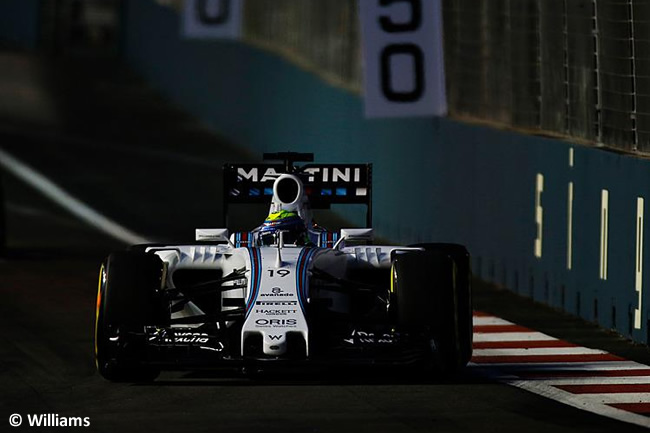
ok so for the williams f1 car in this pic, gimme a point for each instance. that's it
(287, 292)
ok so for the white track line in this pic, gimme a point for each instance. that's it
(68, 202)
(538, 351)
(490, 320)
(579, 401)
(511, 336)
(506, 372)
(589, 366)
(624, 380)
(547, 367)
(550, 366)
(617, 397)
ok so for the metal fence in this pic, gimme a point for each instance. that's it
(323, 36)
(577, 68)
(574, 67)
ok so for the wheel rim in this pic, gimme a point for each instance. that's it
(100, 286)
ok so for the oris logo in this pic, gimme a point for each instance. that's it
(276, 322)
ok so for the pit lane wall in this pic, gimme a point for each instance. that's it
(507, 196)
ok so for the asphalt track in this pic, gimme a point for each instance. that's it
(163, 191)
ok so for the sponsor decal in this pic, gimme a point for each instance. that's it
(253, 174)
(263, 295)
(268, 303)
(276, 323)
(362, 337)
(170, 337)
(188, 337)
(333, 174)
(274, 312)
(318, 174)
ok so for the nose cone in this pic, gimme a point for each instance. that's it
(275, 344)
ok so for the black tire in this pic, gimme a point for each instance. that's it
(432, 292)
(127, 301)
(463, 294)
(3, 220)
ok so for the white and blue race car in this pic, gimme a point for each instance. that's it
(288, 292)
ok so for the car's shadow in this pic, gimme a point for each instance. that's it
(313, 377)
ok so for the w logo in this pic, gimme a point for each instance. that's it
(275, 337)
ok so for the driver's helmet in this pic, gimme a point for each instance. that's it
(295, 231)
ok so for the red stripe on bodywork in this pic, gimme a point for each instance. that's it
(521, 344)
(606, 389)
(545, 358)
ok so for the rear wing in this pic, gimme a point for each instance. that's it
(325, 184)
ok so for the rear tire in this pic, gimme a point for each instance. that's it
(432, 291)
(127, 301)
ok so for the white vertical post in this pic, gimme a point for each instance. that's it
(569, 234)
(638, 281)
(604, 225)
(539, 214)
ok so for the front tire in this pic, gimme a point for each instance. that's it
(127, 301)
(433, 296)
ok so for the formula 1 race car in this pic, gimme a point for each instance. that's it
(288, 292)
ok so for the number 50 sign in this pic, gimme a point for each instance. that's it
(403, 58)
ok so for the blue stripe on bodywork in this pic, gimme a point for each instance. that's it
(256, 276)
(299, 278)
(301, 275)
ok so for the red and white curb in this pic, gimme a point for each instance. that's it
(588, 379)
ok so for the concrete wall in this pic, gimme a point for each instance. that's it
(435, 179)
(19, 23)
